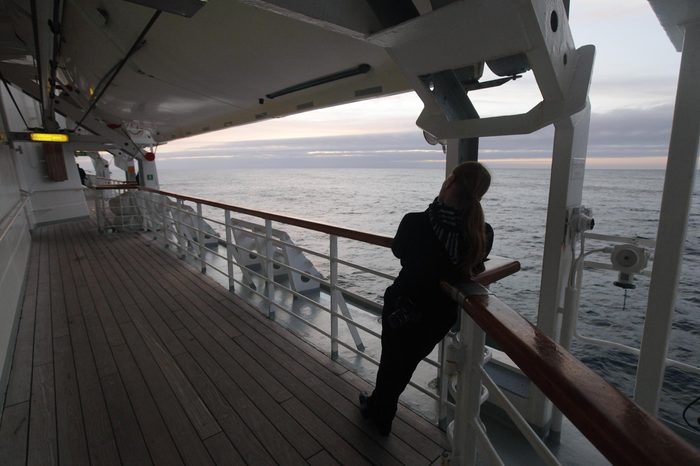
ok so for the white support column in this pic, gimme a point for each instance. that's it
(148, 174)
(468, 403)
(452, 156)
(673, 221)
(565, 192)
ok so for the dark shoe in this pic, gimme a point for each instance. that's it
(383, 427)
(364, 406)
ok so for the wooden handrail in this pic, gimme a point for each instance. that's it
(371, 238)
(496, 268)
(121, 185)
(619, 428)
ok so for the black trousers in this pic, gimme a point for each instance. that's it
(403, 349)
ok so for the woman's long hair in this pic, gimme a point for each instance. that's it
(473, 180)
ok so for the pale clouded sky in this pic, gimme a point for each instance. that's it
(632, 96)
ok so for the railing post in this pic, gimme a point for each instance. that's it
(466, 423)
(143, 209)
(163, 218)
(270, 272)
(200, 239)
(121, 210)
(334, 297)
(152, 216)
(179, 230)
(443, 381)
(229, 249)
(98, 210)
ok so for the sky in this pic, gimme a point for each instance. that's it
(632, 95)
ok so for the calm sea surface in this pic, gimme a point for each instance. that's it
(624, 202)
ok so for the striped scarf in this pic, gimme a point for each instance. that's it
(448, 226)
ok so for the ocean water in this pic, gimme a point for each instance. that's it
(624, 202)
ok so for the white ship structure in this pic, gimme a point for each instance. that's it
(118, 343)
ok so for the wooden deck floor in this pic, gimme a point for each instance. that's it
(126, 356)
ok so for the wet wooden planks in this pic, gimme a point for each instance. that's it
(127, 356)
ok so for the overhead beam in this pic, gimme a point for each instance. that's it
(67, 108)
(43, 45)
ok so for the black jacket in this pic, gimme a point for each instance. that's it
(424, 263)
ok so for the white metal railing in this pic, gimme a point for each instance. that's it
(570, 328)
(116, 208)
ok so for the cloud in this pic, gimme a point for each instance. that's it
(616, 135)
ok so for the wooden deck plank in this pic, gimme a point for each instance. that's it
(198, 413)
(101, 441)
(191, 301)
(407, 423)
(192, 298)
(200, 416)
(167, 430)
(42, 447)
(131, 386)
(238, 428)
(127, 434)
(206, 316)
(15, 420)
(183, 432)
(304, 443)
(19, 384)
(135, 300)
(336, 444)
(160, 443)
(210, 291)
(339, 413)
(326, 411)
(416, 430)
(164, 366)
(257, 409)
(222, 450)
(185, 435)
(72, 439)
(323, 458)
(13, 434)
(239, 388)
(107, 321)
(43, 351)
(429, 447)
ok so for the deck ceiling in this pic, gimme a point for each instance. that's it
(216, 68)
(673, 14)
(208, 71)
